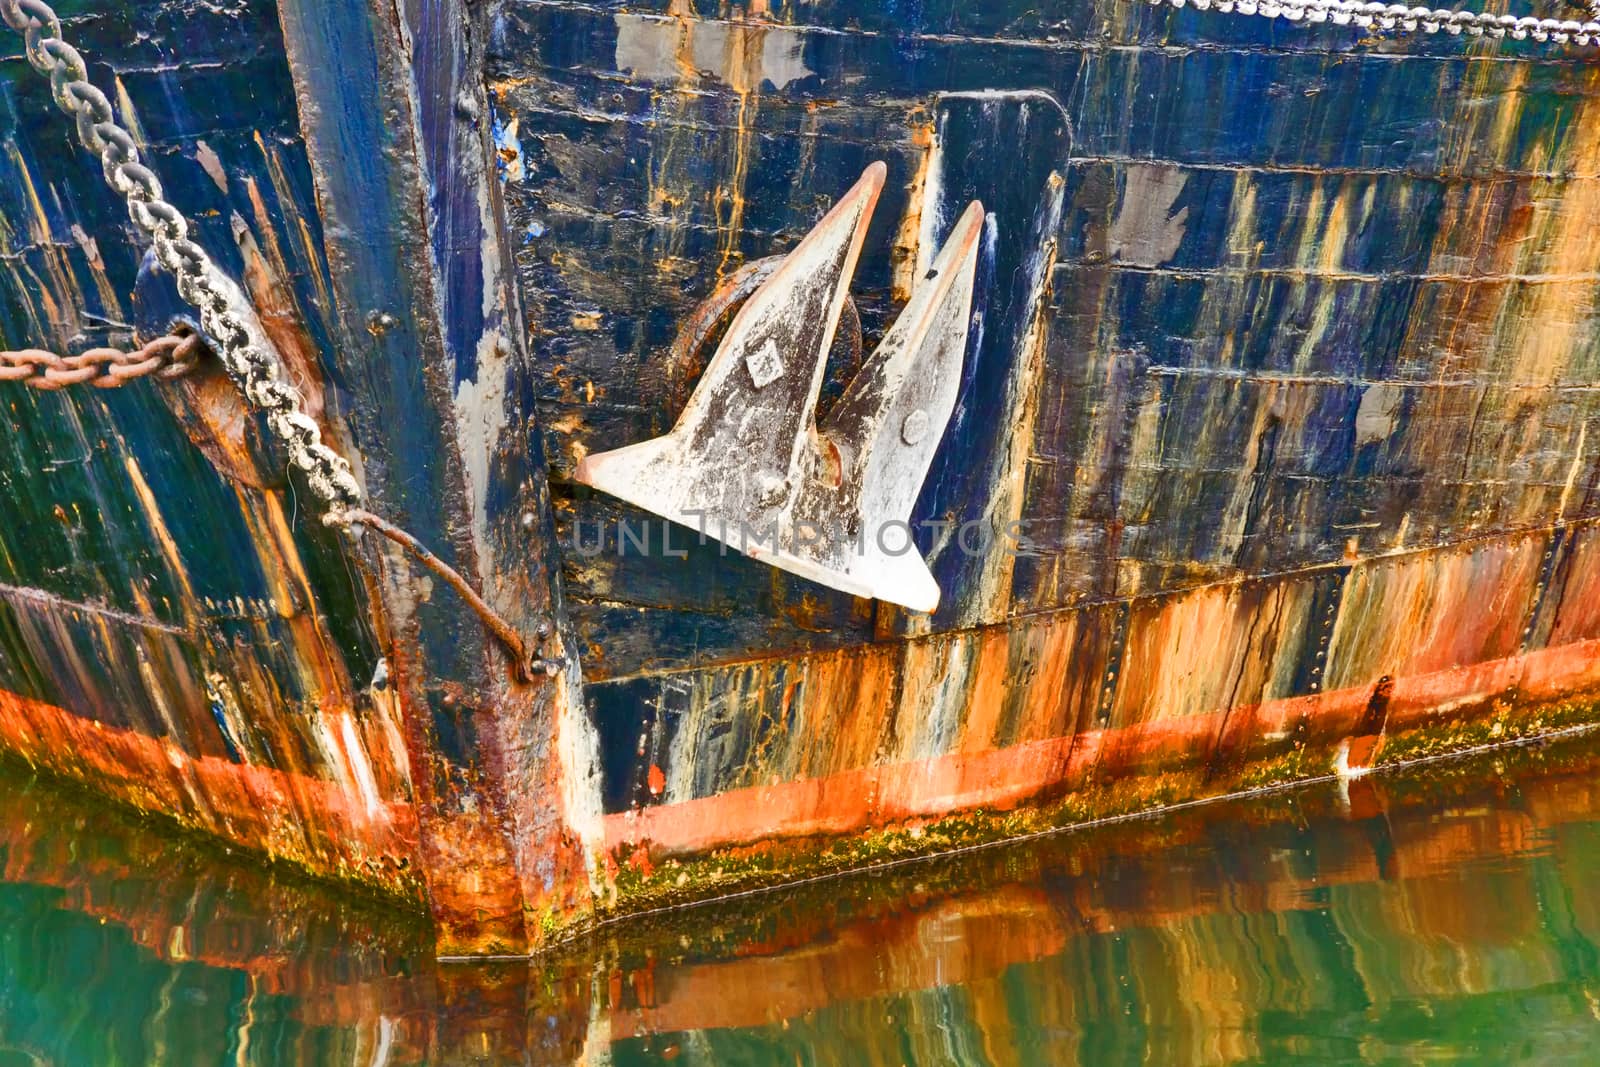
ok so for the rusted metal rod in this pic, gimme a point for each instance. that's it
(526, 666)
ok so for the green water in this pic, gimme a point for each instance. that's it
(1443, 914)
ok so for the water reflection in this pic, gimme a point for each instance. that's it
(1446, 913)
(119, 945)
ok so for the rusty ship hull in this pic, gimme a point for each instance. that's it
(1280, 383)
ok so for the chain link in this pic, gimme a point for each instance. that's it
(166, 357)
(225, 315)
(1375, 16)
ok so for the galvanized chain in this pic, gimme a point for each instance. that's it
(166, 357)
(225, 314)
(1375, 16)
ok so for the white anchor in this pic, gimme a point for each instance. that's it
(747, 463)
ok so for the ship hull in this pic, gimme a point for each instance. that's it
(1274, 456)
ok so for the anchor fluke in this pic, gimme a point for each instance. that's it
(748, 465)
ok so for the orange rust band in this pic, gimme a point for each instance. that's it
(324, 826)
(1000, 779)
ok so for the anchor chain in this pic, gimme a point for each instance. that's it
(225, 314)
(166, 357)
(1376, 16)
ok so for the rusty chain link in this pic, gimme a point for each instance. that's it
(225, 315)
(166, 357)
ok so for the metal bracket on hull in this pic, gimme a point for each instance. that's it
(748, 464)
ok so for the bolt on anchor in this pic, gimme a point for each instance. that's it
(748, 463)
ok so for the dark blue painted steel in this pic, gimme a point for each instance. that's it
(209, 93)
(1269, 237)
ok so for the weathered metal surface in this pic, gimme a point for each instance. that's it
(747, 464)
(172, 635)
(1281, 385)
(1274, 227)
(227, 315)
(181, 634)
